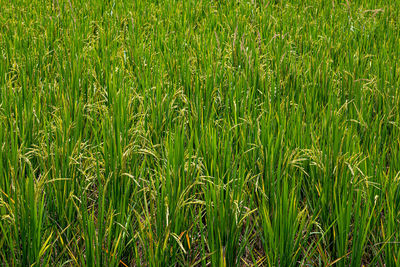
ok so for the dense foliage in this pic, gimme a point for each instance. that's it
(198, 132)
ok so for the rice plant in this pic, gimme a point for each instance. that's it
(199, 133)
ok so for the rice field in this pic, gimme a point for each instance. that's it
(199, 133)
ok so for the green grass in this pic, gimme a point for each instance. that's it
(199, 133)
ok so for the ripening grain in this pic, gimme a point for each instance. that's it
(199, 133)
